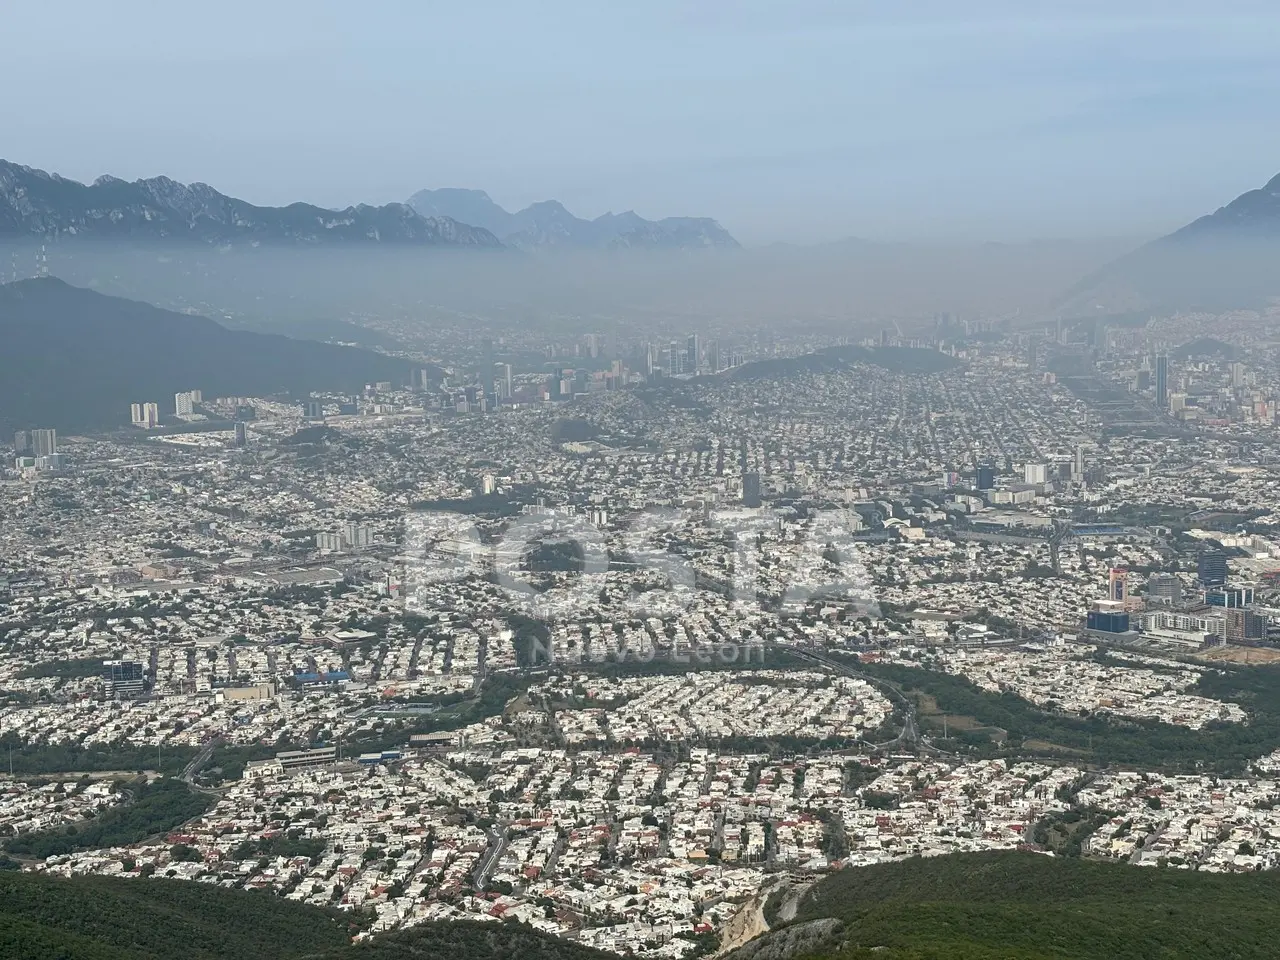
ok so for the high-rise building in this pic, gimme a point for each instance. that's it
(357, 535)
(713, 356)
(21, 442)
(1164, 588)
(1211, 567)
(985, 478)
(1078, 468)
(1230, 597)
(242, 434)
(751, 490)
(124, 678)
(1107, 616)
(329, 542)
(486, 367)
(1162, 381)
(146, 415)
(183, 404)
(44, 443)
(1117, 584)
(1035, 473)
(693, 354)
(313, 410)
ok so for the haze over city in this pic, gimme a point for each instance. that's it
(667, 481)
(797, 122)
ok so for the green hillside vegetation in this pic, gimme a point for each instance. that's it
(155, 808)
(38, 759)
(467, 940)
(1221, 748)
(100, 918)
(106, 918)
(984, 906)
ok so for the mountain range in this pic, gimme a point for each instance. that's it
(1229, 258)
(549, 224)
(75, 359)
(36, 203)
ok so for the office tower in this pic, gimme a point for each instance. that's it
(508, 381)
(751, 490)
(1108, 617)
(1117, 584)
(1211, 567)
(135, 414)
(985, 478)
(488, 484)
(313, 410)
(21, 442)
(693, 354)
(124, 678)
(1237, 374)
(1232, 598)
(1164, 588)
(650, 359)
(1162, 381)
(242, 434)
(1033, 351)
(1077, 470)
(44, 443)
(486, 367)
(1035, 473)
(713, 356)
(182, 404)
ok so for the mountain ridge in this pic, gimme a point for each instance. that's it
(1226, 259)
(548, 223)
(76, 359)
(37, 203)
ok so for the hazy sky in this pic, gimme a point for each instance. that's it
(789, 119)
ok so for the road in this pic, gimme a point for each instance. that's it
(197, 763)
(497, 843)
(909, 736)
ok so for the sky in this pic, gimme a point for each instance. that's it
(787, 120)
